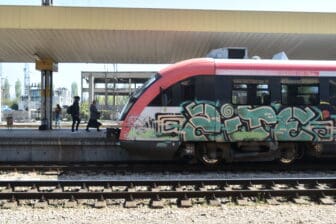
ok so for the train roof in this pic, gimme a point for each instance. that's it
(276, 64)
(253, 67)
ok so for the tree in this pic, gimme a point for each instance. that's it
(14, 105)
(74, 89)
(100, 100)
(6, 91)
(18, 90)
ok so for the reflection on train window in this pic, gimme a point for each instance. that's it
(250, 92)
(332, 91)
(195, 88)
(300, 91)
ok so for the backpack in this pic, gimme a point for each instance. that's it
(70, 110)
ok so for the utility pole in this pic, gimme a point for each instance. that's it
(27, 88)
(0, 92)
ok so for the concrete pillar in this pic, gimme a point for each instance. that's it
(0, 91)
(82, 84)
(129, 87)
(114, 93)
(106, 95)
(91, 88)
(46, 100)
(114, 112)
(46, 66)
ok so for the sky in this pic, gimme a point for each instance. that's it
(68, 73)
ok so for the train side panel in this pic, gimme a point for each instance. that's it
(237, 106)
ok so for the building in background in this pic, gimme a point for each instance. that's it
(61, 96)
(111, 89)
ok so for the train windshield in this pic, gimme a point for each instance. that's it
(137, 93)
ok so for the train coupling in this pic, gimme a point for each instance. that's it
(113, 134)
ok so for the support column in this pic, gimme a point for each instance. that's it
(106, 94)
(46, 100)
(91, 88)
(0, 92)
(114, 111)
(82, 87)
(46, 66)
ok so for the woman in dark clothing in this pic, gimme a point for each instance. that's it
(94, 116)
(75, 114)
(58, 112)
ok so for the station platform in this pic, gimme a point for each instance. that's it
(25, 143)
(34, 133)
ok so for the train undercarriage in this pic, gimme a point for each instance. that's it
(212, 153)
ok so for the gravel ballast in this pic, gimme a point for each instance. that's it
(286, 212)
(197, 214)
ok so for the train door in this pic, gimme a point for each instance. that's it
(187, 109)
(324, 145)
(205, 109)
(328, 98)
(332, 92)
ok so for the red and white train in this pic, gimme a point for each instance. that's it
(217, 110)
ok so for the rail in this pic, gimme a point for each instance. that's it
(316, 189)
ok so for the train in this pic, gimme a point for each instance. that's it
(228, 110)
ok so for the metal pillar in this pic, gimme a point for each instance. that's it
(46, 99)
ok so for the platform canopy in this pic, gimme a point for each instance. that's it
(127, 35)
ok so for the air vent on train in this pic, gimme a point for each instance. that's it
(228, 53)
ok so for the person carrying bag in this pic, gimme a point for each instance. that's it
(94, 116)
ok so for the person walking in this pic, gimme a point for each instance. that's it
(94, 116)
(58, 112)
(75, 114)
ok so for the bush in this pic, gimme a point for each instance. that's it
(14, 106)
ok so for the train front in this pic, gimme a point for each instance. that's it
(137, 134)
(149, 122)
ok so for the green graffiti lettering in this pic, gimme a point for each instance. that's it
(288, 128)
(321, 130)
(254, 135)
(203, 123)
(256, 116)
(303, 116)
(209, 121)
(232, 125)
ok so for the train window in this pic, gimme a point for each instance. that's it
(167, 97)
(222, 87)
(250, 91)
(187, 89)
(204, 88)
(200, 88)
(300, 91)
(332, 91)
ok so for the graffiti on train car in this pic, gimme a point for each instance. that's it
(209, 121)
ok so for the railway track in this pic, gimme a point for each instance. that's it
(321, 165)
(157, 192)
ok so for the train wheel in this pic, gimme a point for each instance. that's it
(288, 153)
(207, 154)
